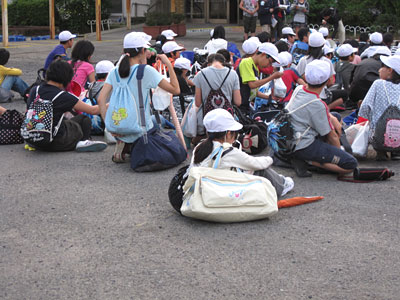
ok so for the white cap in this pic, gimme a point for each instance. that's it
(145, 36)
(346, 50)
(170, 47)
(285, 58)
(288, 30)
(135, 40)
(220, 120)
(66, 36)
(328, 50)
(376, 38)
(316, 39)
(104, 66)
(182, 63)
(269, 49)
(397, 52)
(382, 50)
(392, 62)
(251, 45)
(169, 34)
(324, 31)
(317, 72)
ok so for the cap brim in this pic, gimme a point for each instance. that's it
(385, 61)
(236, 126)
(276, 58)
(170, 38)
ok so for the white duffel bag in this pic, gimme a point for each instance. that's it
(226, 196)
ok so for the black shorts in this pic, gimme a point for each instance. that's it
(323, 153)
(249, 24)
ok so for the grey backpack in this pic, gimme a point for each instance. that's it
(387, 132)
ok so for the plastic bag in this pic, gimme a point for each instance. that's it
(161, 98)
(279, 88)
(360, 144)
(189, 121)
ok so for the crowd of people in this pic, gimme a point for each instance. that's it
(321, 76)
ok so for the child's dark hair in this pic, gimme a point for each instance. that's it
(303, 32)
(388, 39)
(226, 54)
(170, 53)
(395, 77)
(4, 56)
(101, 75)
(178, 71)
(82, 51)
(282, 46)
(353, 43)
(60, 71)
(364, 37)
(216, 57)
(316, 86)
(205, 148)
(124, 66)
(219, 32)
(161, 39)
(315, 52)
(264, 37)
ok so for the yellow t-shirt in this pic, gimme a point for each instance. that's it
(4, 71)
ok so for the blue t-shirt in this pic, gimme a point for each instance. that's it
(58, 50)
(151, 79)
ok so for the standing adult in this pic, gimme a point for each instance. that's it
(280, 17)
(300, 9)
(331, 15)
(266, 14)
(250, 8)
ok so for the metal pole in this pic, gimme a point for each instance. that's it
(128, 14)
(52, 20)
(173, 7)
(4, 18)
(98, 20)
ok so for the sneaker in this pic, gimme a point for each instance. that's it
(119, 156)
(288, 185)
(90, 146)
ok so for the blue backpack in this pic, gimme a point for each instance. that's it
(122, 115)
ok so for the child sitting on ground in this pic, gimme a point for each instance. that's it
(9, 77)
(222, 131)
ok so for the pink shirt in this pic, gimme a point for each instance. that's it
(357, 60)
(82, 70)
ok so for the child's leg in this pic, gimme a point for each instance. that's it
(86, 125)
(14, 83)
(276, 179)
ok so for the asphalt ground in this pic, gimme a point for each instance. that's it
(77, 226)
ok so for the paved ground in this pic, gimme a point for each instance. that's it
(77, 226)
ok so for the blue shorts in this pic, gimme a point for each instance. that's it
(323, 153)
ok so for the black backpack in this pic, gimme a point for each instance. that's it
(216, 98)
(10, 127)
(39, 80)
(253, 135)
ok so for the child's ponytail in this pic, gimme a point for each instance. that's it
(206, 147)
(124, 65)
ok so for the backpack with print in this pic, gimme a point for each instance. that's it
(387, 132)
(122, 115)
(91, 99)
(298, 54)
(281, 135)
(37, 128)
(10, 127)
(216, 98)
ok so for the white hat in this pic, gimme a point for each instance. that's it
(104, 66)
(397, 52)
(170, 47)
(285, 58)
(316, 39)
(324, 31)
(66, 36)
(169, 34)
(382, 50)
(328, 49)
(392, 62)
(145, 36)
(288, 30)
(269, 49)
(376, 38)
(220, 120)
(135, 40)
(250, 46)
(346, 50)
(182, 63)
(317, 72)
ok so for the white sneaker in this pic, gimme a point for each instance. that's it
(288, 185)
(90, 146)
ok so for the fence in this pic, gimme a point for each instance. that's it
(93, 22)
(359, 29)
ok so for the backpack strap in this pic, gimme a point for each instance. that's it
(225, 79)
(139, 77)
(387, 95)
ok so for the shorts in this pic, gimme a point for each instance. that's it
(249, 24)
(323, 153)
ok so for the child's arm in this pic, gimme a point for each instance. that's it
(11, 71)
(239, 159)
(2, 110)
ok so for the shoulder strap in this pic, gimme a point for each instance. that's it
(227, 74)
(218, 153)
(387, 95)
(139, 77)
(206, 80)
(56, 96)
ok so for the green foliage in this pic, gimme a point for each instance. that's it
(29, 12)
(159, 18)
(70, 15)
